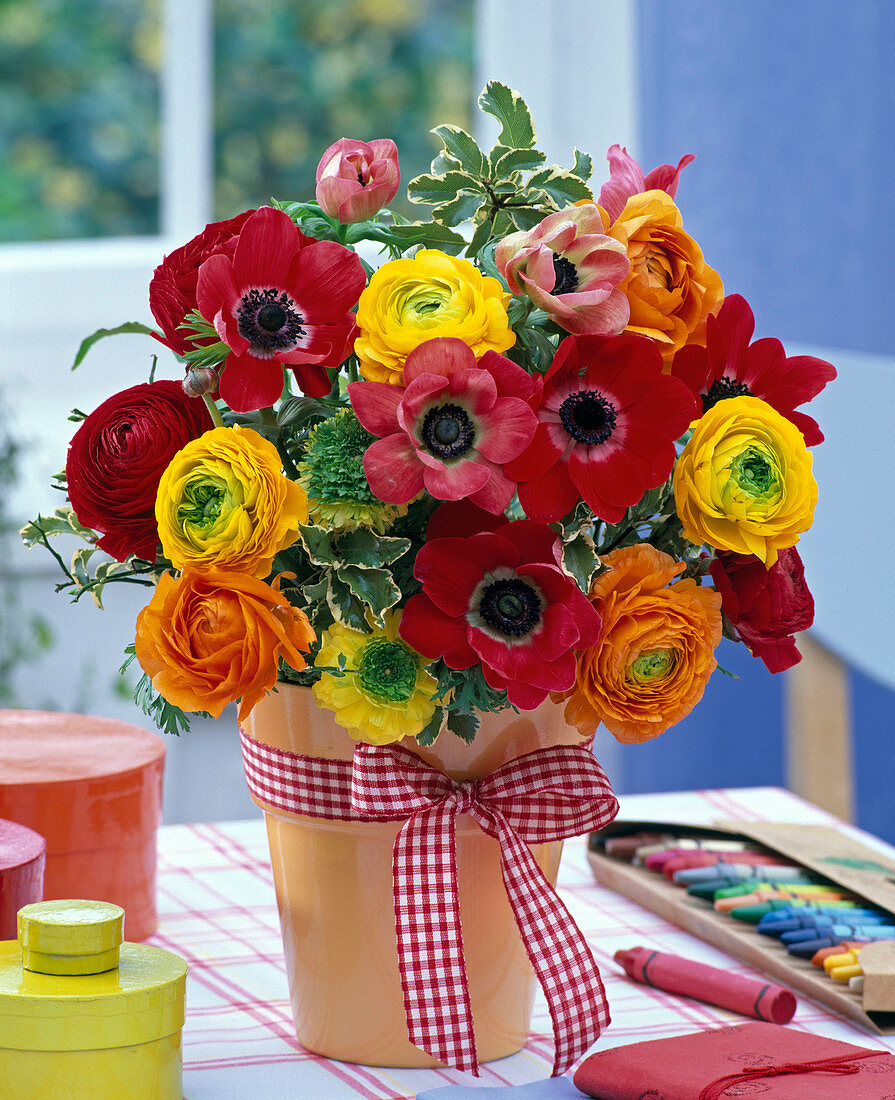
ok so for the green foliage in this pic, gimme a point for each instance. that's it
(79, 579)
(491, 190)
(102, 333)
(79, 99)
(168, 718)
(354, 574)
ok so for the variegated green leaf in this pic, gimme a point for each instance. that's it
(444, 162)
(508, 107)
(579, 558)
(345, 606)
(583, 166)
(525, 217)
(516, 160)
(459, 209)
(434, 190)
(365, 548)
(375, 587)
(463, 147)
(564, 188)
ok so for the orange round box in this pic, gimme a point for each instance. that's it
(92, 787)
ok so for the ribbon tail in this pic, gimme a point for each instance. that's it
(430, 944)
(562, 961)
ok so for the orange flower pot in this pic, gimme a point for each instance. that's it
(334, 893)
(92, 787)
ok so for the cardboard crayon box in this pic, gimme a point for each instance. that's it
(829, 855)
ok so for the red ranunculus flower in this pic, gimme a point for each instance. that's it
(729, 366)
(767, 606)
(172, 292)
(608, 418)
(501, 598)
(117, 457)
(283, 298)
(450, 429)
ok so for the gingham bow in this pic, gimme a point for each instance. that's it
(543, 796)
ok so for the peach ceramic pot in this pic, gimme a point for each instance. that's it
(92, 787)
(334, 893)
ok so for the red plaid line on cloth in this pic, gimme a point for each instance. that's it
(543, 796)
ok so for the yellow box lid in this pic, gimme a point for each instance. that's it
(69, 998)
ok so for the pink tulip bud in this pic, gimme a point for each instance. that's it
(199, 381)
(355, 180)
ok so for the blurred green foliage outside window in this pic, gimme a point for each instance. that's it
(293, 76)
(80, 93)
(79, 115)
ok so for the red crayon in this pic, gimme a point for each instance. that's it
(656, 861)
(674, 974)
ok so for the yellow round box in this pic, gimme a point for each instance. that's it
(83, 1014)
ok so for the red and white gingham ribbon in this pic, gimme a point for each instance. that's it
(543, 796)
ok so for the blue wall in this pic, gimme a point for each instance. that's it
(789, 109)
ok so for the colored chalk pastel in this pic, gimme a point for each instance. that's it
(752, 914)
(847, 958)
(724, 905)
(808, 949)
(782, 915)
(843, 973)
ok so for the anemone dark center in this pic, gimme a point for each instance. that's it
(721, 389)
(588, 417)
(268, 320)
(566, 276)
(510, 606)
(447, 432)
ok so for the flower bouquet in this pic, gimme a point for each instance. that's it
(531, 459)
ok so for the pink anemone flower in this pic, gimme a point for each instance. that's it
(501, 598)
(626, 178)
(450, 428)
(282, 298)
(570, 269)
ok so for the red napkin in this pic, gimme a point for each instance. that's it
(777, 1063)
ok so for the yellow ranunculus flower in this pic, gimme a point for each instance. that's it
(410, 301)
(744, 481)
(223, 501)
(386, 694)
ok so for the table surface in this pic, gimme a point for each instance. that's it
(217, 909)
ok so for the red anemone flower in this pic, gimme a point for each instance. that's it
(608, 418)
(283, 298)
(729, 366)
(450, 429)
(500, 598)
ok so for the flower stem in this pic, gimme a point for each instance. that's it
(213, 411)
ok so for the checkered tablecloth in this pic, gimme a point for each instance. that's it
(217, 909)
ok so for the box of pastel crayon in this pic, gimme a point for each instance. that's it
(807, 905)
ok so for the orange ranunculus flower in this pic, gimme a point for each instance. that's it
(670, 288)
(209, 638)
(656, 650)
